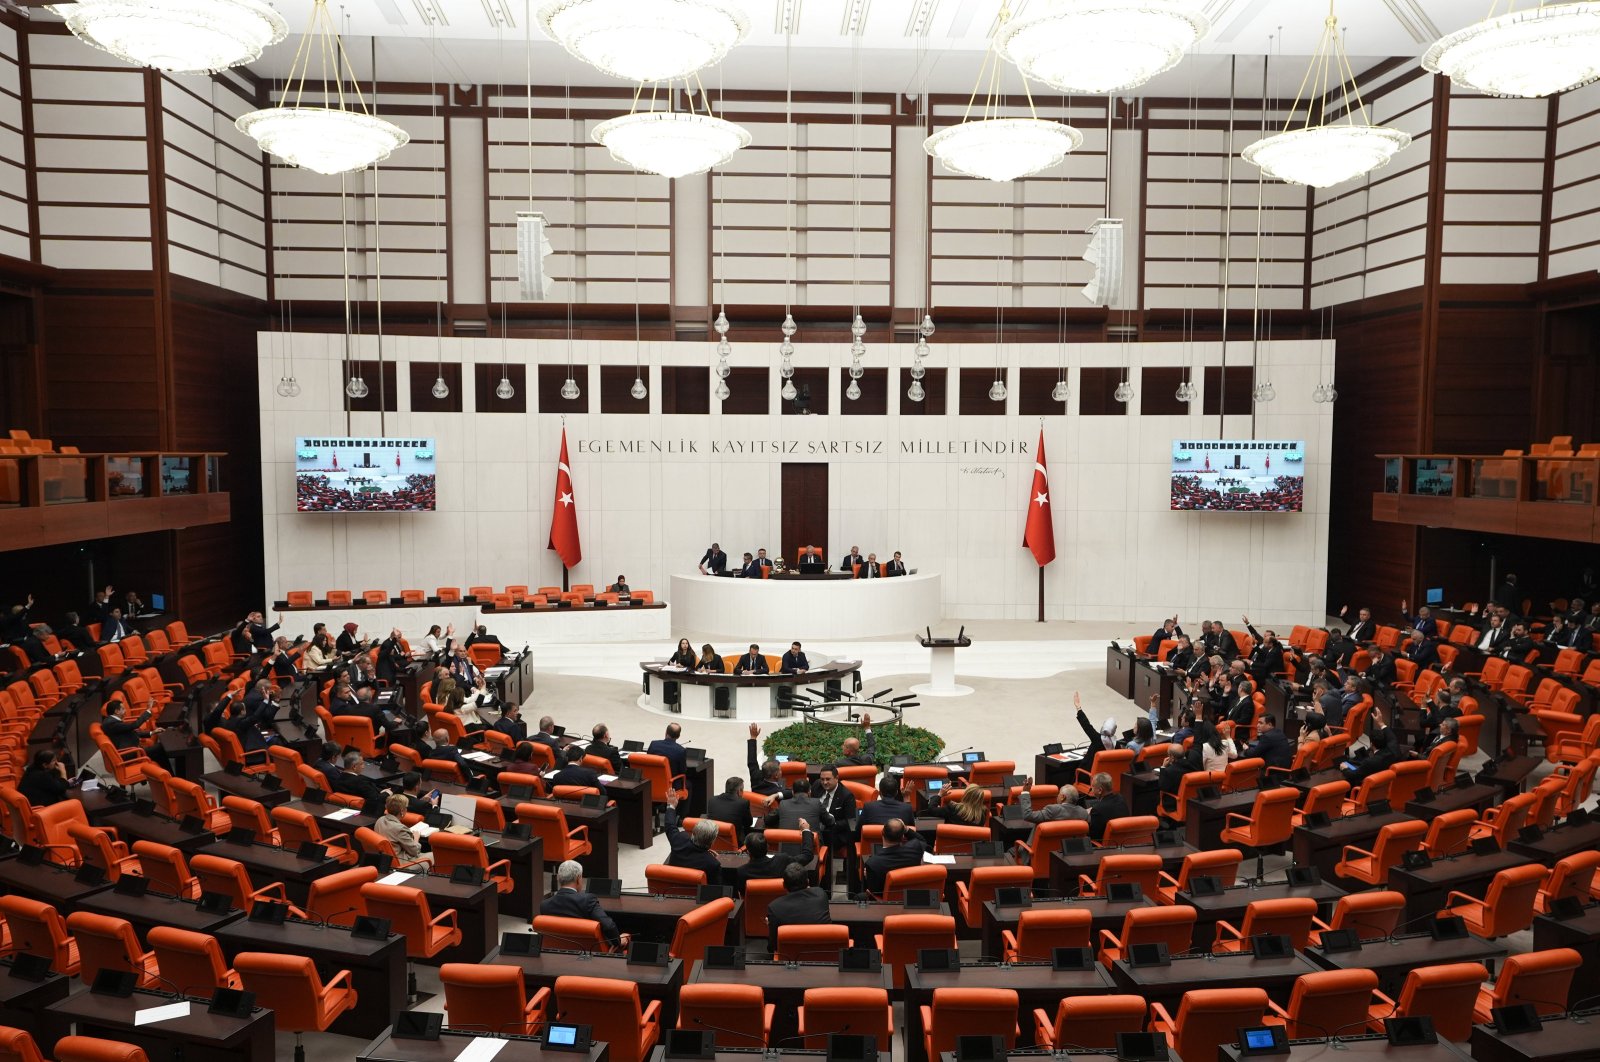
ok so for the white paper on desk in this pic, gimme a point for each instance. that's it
(481, 757)
(943, 860)
(481, 1049)
(342, 813)
(607, 779)
(955, 768)
(163, 1013)
(422, 829)
(399, 877)
(495, 672)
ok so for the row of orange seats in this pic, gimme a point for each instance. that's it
(512, 596)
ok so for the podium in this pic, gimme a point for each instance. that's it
(942, 666)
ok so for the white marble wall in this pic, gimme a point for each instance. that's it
(1122, 554)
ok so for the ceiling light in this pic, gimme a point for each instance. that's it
(1316, 152)
(645, 40)
(671, 143)
(1538, 52)
(440, 388)
(996, 148)
(330, 138)
(179, 36)
(1102, 45)
(504, 390)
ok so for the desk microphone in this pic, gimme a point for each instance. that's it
(1394, 936)
(702, 1023)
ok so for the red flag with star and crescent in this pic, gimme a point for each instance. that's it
(564, 517)
(1040, 534)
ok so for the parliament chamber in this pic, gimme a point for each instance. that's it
(938, 531)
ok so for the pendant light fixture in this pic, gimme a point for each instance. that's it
(858, 327)
(645, 40)
(638, 391)
(178, 36)
(668, 141)
(1263, 391)
(787, 330)
(1102, 46)
(1549, 47)
(440, 389)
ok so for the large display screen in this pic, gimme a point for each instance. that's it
(1238, 475)
(363, 475)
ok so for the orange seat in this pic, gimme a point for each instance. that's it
(1141, 870)
(663, 880)
(1506, 908)
(1542, 978)
(958, 1012)
(451, 850)
(1089, 1021)
(1046, 840)
(1269, 823)
(297, 827)
(980, 889)
(1129, 830)
(1445, 993)
(1370, 915)
(491, 997)
(338, 598)
(408, 912)
(106, 943)
(952, 838)
(1222, 864)
(337, 898)
(1374, 787)
(705, 926)
(36, 928)
(1114, 762)
(1449, 833)
(1572, 877)
(413, 597)
(190, 963)
(1323, 1003)
(1041, 930)
(1175, 806)
(906, 934)
(613, 1008)
(1172, 926)
(549, 824)
(811, 943)
(1208, 1018)
(863, 1011)
(929, 876)
(1291, 917)
(291, 988)
(570, 934)
(300, 598)
(16, 1045)
(737, 1015)
(1394, 840)
(164, 867)
(229, 878)
(90, 1049)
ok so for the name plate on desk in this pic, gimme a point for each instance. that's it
(481, 1049)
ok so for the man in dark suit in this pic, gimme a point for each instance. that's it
(510, 723)
(838, 816)
(392, 657)
(901, 848)
(1182, 657)
(1382, 669)
(260, 634)
(895, 566)
(1518, 645)
(888, 806)
(668, 746)
(284, 667)
(1364, 629)
(1108, 804)
(794, 661)
(766, 777)
(259, 707)
(1421, 649)
(852, 559)
(691, 849)
(446, 750)
(752, 663)
(352, 782)
(480, 636)
(1448, 729)
(713, 561)
(391, 725)
(851, 754)
(1270, 744)
(327, 765)
(1492, 636)
(601, 746)
(753, 569)
(802, 904)
(570, 900)
(763, 864)
(811, 561)
(71, 629)
(123, 733)
(1242, 708)
(1560, 634)
(797, 806)
(1266, 659)
(872, 569)
(1423, 622)
(574, 772)
(112, 628)
(101, 606)
(1223, 643)
(731, 806)
(1167, 632)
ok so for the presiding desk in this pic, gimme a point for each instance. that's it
(1167, 984)
(449, 1046)
(1351, 1049)
(1562, 1039)
(377, 967)
(748, 696)
(782, 608)
(1036, 985)
(785, 985)
(199, 1036)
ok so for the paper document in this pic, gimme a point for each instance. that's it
(399, 877)
(607, 779)
(163, 1013)
(481, 1049)
(422, 829)
(342, 813)
(481, 757)
(943, 860)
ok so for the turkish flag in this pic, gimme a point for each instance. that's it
(1040, 534)
(564, 517)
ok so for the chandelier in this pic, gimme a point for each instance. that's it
(330, 138)
(1319, 153)
(671, 143)
(645, 40)
(1546, 49)
(179, 36)
(1102, 45)
(996, 148)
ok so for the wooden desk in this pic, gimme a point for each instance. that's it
(702, 778)
(1142, 792)
(450, 1044)
(602, 824)
(266, 865)
(1167, 984)
(785, 986)
(1559, 843)
(1206, 819)
(131, 826)
(1323, 848)
(1036, 985)
(527, 873)
(865, 920)
(377, 967)
(1392, 959)
(153, 909)
(635, 811)
(1352, 1049)
(659, 984)
(1425, 890)
(247, 786)
(1119, 672)
(477, 914)
(46, 883)
(656, 917)
(1230, 905)
(1151, 681)
(98, 803)
(21, 1002)
(1475, 795)
(1065, 867)
(1509, 774)
(1582, 935)
(198, 1037)
(1560, 1040)
(1106, 914)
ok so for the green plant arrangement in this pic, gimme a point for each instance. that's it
(819, 742)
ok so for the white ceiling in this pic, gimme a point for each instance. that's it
(897, 45)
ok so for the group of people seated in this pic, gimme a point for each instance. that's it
(752, 662)
(809, 560)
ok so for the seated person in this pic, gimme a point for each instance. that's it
(753, 663)
(747, 568)
(811, 561)
(1068, 805)
(763, 864)
(709, 661)
(571, 900)
(852, 559)
(971, 810)
(46, 781)
(1108, 805)
(794, 661)
(407, 847)
(573, 772)
(620, 588)
(691, 848)
(901, 848)
(683, 656)
(897, 566)
(731, 806)
(802, 904)
(888, 806)
(871, 569)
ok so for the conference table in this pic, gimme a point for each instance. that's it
(198, 1036)
(377, 967)
(696, 694)
(785, 985)
(451, 1045)
(783, 608)
(1037, 986)
(1561, 1039)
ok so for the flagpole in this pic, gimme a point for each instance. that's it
(1041, 567)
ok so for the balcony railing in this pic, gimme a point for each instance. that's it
(1544, 496)
(47, 498)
